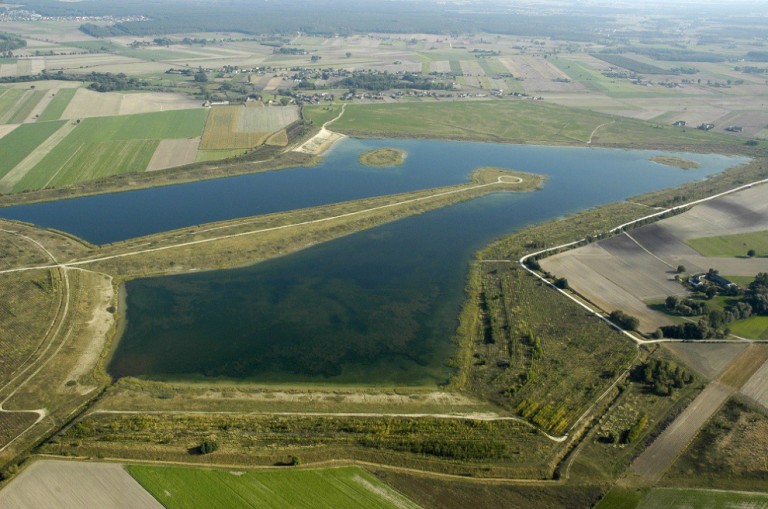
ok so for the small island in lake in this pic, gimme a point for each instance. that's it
(383, 157)
(677, 162)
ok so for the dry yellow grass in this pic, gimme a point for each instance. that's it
(221, 130)
(745, 365)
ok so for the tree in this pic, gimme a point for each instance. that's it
(751, 253)
(562, 283)
(672, 302)
(680, 269)
(349, 54)
(201, 77)
(623, 320)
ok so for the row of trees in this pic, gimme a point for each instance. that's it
(386, 81)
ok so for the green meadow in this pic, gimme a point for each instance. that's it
(58, 104)
(20, 142)
(332, 488)
(509, 121)
(732, 245)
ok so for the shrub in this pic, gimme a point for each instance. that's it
(208, 446)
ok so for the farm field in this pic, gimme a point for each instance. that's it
(626, 271)
(681, 498)
(58, 104)
(22, 141)
(71, 484)
(732, 245)
(103, 146)
(238, 127)
(345, 487)
(753, 327)
(87, 103)
(16, 104)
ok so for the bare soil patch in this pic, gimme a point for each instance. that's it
(756, 387)
(707, 359)
(171, 153)
(70, 484)
(618, 274)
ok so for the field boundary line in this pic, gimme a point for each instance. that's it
(335, 463)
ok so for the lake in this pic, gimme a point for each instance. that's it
(113, 217)
(377, 307)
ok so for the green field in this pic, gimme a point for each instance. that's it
(592, 79)
(26, 106)
(456, 67)
(681, 498)
(58, 104)
(731, 245)
(510, 121)
(20, 142)
(104, 146)
(333, 488)
(491, 66)
(755, 327)
(17, 103)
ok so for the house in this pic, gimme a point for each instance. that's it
(679, 123)
(720, 280)
(706, 127)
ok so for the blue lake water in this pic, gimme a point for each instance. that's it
(118, 216)
(377, 307)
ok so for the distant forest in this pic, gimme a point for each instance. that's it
(323, 17)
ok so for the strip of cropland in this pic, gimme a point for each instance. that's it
(103, 146)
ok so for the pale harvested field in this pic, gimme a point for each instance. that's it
(7, 128)
(440, 66)
(471, 67)
(87, 103)
(707, 359)
(617, 273)
(657, 458)
(267, 119)
(75, 485)
(85, 62)
(171, 153)
(538, 75)
(756, 387)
